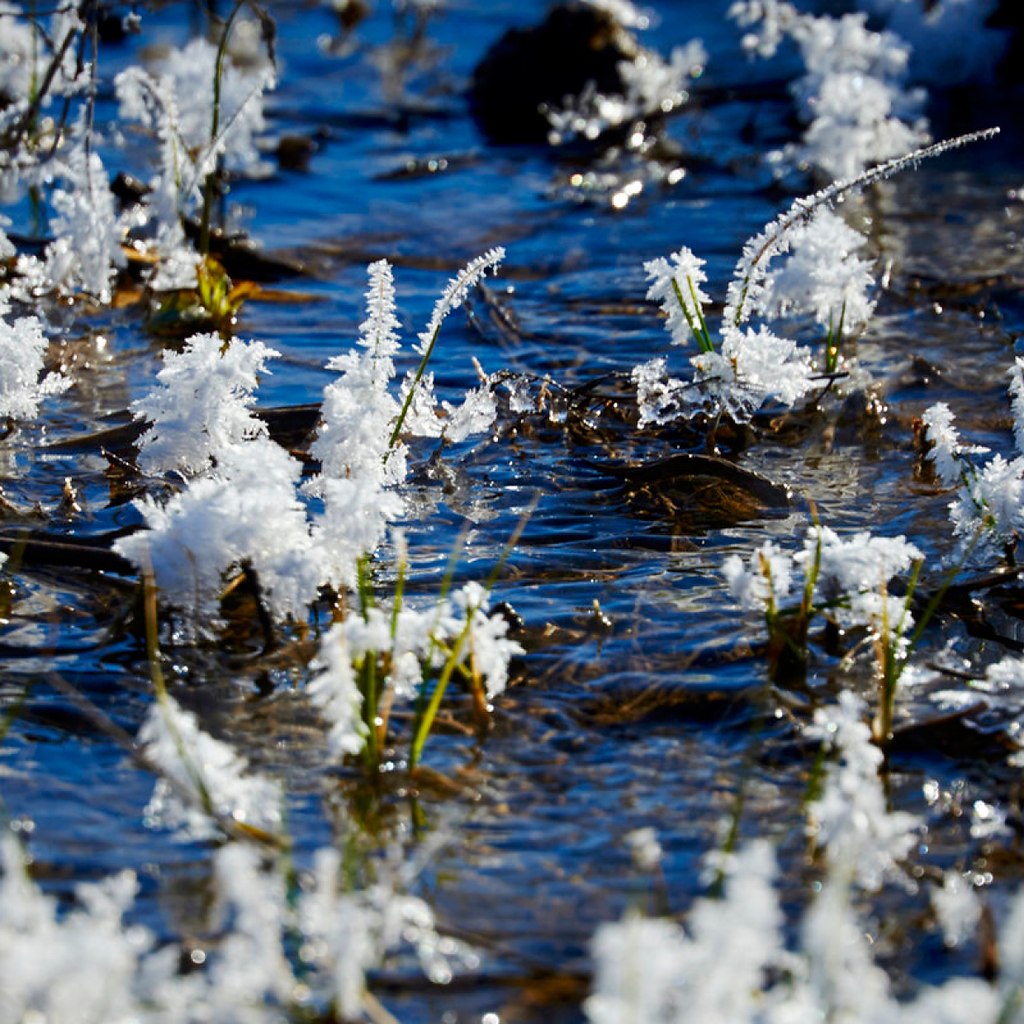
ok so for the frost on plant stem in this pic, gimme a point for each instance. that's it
(852, 584)
(348, 931)
(823, 277)
(489, 650)
(362, 424)
(858, 564)
(850, 821)
(202, 403)
(752, 367)
(1017, 402)
(251, 968)
(353, 522)
(846, 579)
(987, 512)
(653, 971)
(748, 282)
(175, 100)
(838, 978)
(676, 287)
(407, 643)
(947, 453)
(243, 508)
(660, 399)
(268, 952)
(203, 782)
(27, 50)
(245, 513)
(334, 690)
(40, 60)
(170, 198)
(358, 411)
(455, 293)
(749, 368)
(22, 352)
(764, 582)
(50, 962)
(854, 96)
(86, 253)
(188, 74)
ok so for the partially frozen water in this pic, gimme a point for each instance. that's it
(639, 702)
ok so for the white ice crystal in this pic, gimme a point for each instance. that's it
(26, 51)
(174, 187)
(822, 277)
(768, 22)
(22, 352)
(245, 513)
(338, 933)
(660, 399)
(346, 932)
(855, 84)
(764, 581)
(250, 969)
(947, 451)
(1017, 402)
(201, 405)
(752, 367)
(861, 562)
(49, 963)
(676, 287)
(988, 511)
(651, 970)
(354, 521)
(840, 980)
(89, 966)
(203, 780)
(644, 849)
(740, 367)
(358, 411)
(455, 292)
(333, 689)
(851, 822)
(190, 73)
(489, 650)
(853, 580)
(625, 12)
(853, 95)
(638, 967)
(86, 252)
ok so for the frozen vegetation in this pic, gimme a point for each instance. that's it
(316, 537)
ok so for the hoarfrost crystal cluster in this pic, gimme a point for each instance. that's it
(243, 506)
(823, 277)
(853, 96)
(987, 511)
(202, 780)
(50, 961)
(23, 384)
